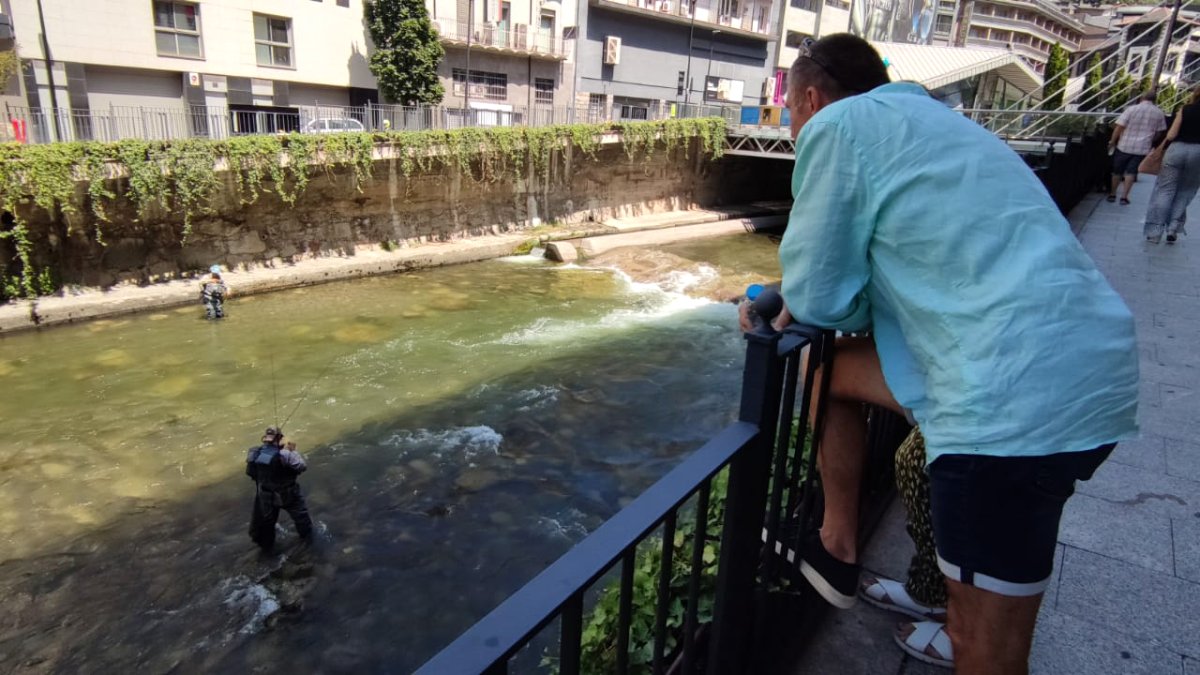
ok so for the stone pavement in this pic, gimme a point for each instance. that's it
(1125, 597)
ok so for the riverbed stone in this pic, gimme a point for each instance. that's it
(561, 251)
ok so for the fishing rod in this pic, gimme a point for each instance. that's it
(304, 392)
(274, 392)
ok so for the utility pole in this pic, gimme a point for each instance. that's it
(712, 41)
(49, 72)
(1166, 45)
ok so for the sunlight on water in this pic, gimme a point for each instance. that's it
(462, 423)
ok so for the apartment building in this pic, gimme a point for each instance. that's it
(176, 55)
(1028, 27)
(640, 59)
(517, 53)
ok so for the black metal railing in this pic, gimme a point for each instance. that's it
(772, 495)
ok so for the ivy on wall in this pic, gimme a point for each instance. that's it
(176, 181)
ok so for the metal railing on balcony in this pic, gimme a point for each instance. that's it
(753, 19)
(43, 125)
(513, 37)
(772, 496)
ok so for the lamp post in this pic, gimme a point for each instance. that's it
(687, 92)
(711, 42)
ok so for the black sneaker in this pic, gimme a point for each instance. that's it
(1171, 238)
(835, 580)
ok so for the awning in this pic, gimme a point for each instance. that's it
(935, 67)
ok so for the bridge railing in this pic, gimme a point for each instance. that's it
(771, 496)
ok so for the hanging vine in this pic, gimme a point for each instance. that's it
(178, 180)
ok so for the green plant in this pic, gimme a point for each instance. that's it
(1056, 77)
(599, 643)
(407, 51)
(1091, 90)
(10, 63)
(176, 181)
(1121, 90)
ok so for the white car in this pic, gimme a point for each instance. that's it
(330, 125)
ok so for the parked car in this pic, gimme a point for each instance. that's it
(331, 125)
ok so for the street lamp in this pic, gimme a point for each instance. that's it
(687, 92)
(711, 42)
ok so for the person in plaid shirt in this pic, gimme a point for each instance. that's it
(1133, 139)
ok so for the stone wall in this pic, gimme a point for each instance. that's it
(332, 218)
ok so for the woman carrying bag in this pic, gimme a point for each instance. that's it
(1179, 176)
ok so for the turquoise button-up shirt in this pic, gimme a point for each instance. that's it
(991, 322)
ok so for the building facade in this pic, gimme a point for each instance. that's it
(518, 54)
(642, 59)
(178, 55)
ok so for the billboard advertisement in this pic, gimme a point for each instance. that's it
(908, 21)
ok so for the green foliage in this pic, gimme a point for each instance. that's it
(599, 644)
(10, 63)
(176, 181)
(1169, 97)
(1121, 90)
(1091, 89)
(1056, 77)
(407, 51)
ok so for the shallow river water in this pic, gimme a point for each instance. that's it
(464, 427)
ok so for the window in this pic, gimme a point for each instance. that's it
(543, 90)
(634, 112)
(177, 29)
(808, 5)
(492, 86)
(794, 39)
(343, 3)
(273, 41)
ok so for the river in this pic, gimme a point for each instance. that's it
(464, 427)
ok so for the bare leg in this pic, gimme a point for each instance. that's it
(1128, 186)
(991, 633)
(1116, 180)
(857, 379)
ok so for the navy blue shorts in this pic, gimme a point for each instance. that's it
(995, 519)
(1125, 164)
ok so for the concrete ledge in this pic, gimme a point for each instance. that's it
(652, 229)
(593, 246)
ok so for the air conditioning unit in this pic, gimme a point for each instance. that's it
(612, 50)
(479, 89)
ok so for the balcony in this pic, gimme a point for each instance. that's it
(1022, 25)
(1022, 49)
(518, 39)
(756, 22)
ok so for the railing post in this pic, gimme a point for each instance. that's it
(745, 506)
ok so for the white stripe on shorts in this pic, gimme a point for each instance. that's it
(992, 584)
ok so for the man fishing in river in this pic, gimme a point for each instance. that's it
(274, 467)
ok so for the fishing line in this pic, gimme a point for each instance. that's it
(274, 393)
(304, 392)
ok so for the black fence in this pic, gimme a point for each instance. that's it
(1083, 166)
(759, 604)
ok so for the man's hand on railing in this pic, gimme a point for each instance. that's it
(761, 305)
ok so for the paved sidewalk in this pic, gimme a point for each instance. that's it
(1126, 593)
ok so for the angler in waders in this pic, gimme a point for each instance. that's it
(212, 295)
(274, 468)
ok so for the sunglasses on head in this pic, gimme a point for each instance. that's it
(807, 53)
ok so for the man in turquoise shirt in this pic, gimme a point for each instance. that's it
(991, 329)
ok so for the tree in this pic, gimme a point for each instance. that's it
(1121, 91)
(1056, 77)
(1091, 89)
(1144, 86)
(1167, 96)
(407, 51)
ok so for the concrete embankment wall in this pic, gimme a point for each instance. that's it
(332, 218)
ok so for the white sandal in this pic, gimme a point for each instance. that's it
(890, 595)
(928, 642)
